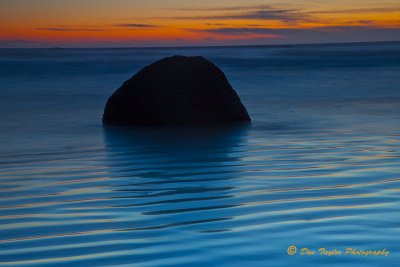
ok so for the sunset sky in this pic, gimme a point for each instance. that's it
(122, 23)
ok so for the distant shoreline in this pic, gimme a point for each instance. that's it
(220, 46)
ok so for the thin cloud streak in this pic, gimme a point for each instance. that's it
(248, 30)
(229, 8)
(327, 34)
(60, 29)
(137, 26)
(285, 15)
(359, 10)
(272, 7)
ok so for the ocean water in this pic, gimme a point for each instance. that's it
(318, 168)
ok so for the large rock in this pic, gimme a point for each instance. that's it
(176, 91)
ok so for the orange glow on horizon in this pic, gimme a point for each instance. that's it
(188, 25)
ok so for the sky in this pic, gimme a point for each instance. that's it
(155, 23)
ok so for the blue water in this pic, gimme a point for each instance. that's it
(319, 167)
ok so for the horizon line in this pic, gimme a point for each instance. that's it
(213, 46)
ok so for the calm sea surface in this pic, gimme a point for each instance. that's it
(319, 167)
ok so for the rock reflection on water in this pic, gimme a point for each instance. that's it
(172, 171)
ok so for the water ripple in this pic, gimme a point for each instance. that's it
(138, 204)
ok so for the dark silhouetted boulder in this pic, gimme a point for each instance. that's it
(176, 91)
